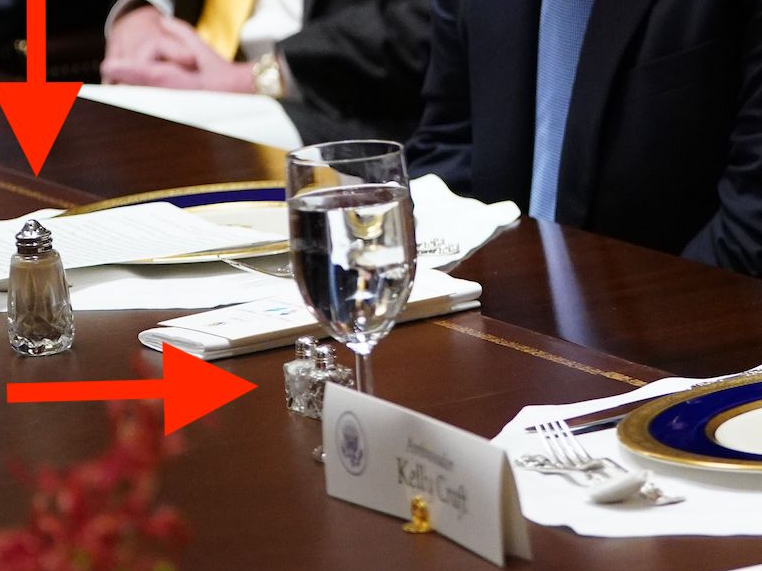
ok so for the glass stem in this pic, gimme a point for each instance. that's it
(364, 373)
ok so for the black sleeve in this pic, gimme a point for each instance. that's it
(362, 57)
(442, 144)
(733, 237)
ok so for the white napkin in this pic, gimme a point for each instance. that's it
(467, 222)
(718, 503)
(279, 316)
(254, 118)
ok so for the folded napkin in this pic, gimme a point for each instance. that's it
(717, 503)
(442, 215)
(279, 316)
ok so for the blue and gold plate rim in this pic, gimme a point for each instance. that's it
(680, 428)
(196, 195)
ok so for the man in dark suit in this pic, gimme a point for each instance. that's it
(357, 65)
(662, 140)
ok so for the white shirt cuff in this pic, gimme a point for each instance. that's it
(121, 7)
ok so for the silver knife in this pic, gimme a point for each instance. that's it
(601, 419)
(610, 417)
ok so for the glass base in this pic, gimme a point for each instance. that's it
(41, 347)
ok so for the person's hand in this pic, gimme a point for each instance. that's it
(178, 59)
(138, 38)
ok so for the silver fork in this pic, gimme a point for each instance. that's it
(562, 458)
(562, 446)
(570, 458)
(648, 490)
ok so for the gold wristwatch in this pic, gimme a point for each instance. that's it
(267, 77)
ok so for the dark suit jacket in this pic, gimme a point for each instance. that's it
(359, 65)
(664, 135)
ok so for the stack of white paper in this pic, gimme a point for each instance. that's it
(130, 233)
(278, 316)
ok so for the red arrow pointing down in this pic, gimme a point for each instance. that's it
(190, 389)
(36, 110)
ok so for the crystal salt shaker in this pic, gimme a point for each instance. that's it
(326, 370)
(296, 373)
(40, 318)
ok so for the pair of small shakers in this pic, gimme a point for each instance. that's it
(307, 374)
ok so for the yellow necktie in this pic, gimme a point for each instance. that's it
(220, 24)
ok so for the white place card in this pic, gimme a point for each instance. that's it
(381, 456)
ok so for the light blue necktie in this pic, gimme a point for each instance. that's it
(562, 29)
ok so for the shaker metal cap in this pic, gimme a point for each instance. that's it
(324, 356)
(34, 238)
(305, 345)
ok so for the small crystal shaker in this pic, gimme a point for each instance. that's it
(40, 319)
(296, 373)
(325, 370)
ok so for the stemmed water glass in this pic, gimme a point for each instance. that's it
(352, 240)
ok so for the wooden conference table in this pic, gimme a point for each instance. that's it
(566, 316)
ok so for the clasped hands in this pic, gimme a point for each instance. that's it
(146, 47)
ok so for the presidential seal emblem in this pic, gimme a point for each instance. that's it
(351, 444)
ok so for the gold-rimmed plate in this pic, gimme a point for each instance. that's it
(253, 204)
(712, 427)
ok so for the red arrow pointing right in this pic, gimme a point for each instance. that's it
(191, 388)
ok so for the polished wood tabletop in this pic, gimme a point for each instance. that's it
(639, 304)
(112, 152)
(565, 316)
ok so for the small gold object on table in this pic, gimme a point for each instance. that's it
(419, 517)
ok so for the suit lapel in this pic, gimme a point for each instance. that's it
(520, 89)
(502, 37)
(610, 29)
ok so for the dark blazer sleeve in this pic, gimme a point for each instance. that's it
(733, 237)
(360, 57)
(442, 144)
